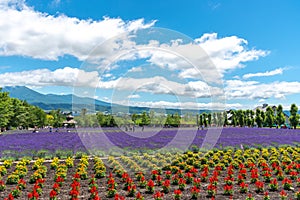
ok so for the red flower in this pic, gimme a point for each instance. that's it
(93, 189)
(139, 196)
(154, 172)
(59, 179)
(55, 186)
(53, 194)
(177, 192)
(195, 190)
(74, 193)
(283, 193)
(228, 187)
(151, 184)
(30, 195)
(193, 170)
(166, 184)
(243, 185)
(259, 184)
(10, 197)
(119, 197)
(158, 195)
(76, 176)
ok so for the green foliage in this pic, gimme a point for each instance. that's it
(269, 120)
(240, 117)
(233, 118)
(209, 116)
(141, 119)
(258, 118)
(280, 116)
(173, 120)
(56, 118)
(294, 118)
(106, 120)
(16, 113)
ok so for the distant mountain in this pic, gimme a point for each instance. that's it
(71, 102)
(53, 101)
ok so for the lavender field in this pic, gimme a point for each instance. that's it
(107, 139)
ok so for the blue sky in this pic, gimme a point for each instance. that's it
(252, 48)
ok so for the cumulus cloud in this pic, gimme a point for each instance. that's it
(228, 52)
(181, 105)
(208, 57)
(26, 32)
(262, 74)
(133, 96)
(160, 85)
(135, 69)
(44, 77)
(237, 89)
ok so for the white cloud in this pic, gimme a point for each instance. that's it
(208, 57)
(180, 105)
(26, 32)
(160, 85)
(135, 69)
(133, 96)
(228, 52)
(237, 89)
(262, 74)
(44, 77)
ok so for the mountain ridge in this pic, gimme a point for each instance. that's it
(70, 102)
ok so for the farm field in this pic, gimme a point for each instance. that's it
(215, 174)
(102, 141)
(245, 163)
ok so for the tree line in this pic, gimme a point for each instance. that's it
(16, 113)
(273, 116)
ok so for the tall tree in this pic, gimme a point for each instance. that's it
(294, 117)
(205, 119)
(258, 118)
(6, 109)
(233, 118)
(280, 119)
(200, 120)
(209, 119)
(263, 117)
(145, 119)
(241, 118)
(269, 120)
(225, 118)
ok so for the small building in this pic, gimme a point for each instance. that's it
(70, 122)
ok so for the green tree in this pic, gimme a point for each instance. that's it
(233, 118)
(258, 118)
(209, 119)
(145, 119)
(263, 117)
(225, 118)
(206, 119)
(58, 118)
(280, 119)
(6, 109)
(269, 120)
(294, 117)
(173, 120)
(201, 120)
(240, 118)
